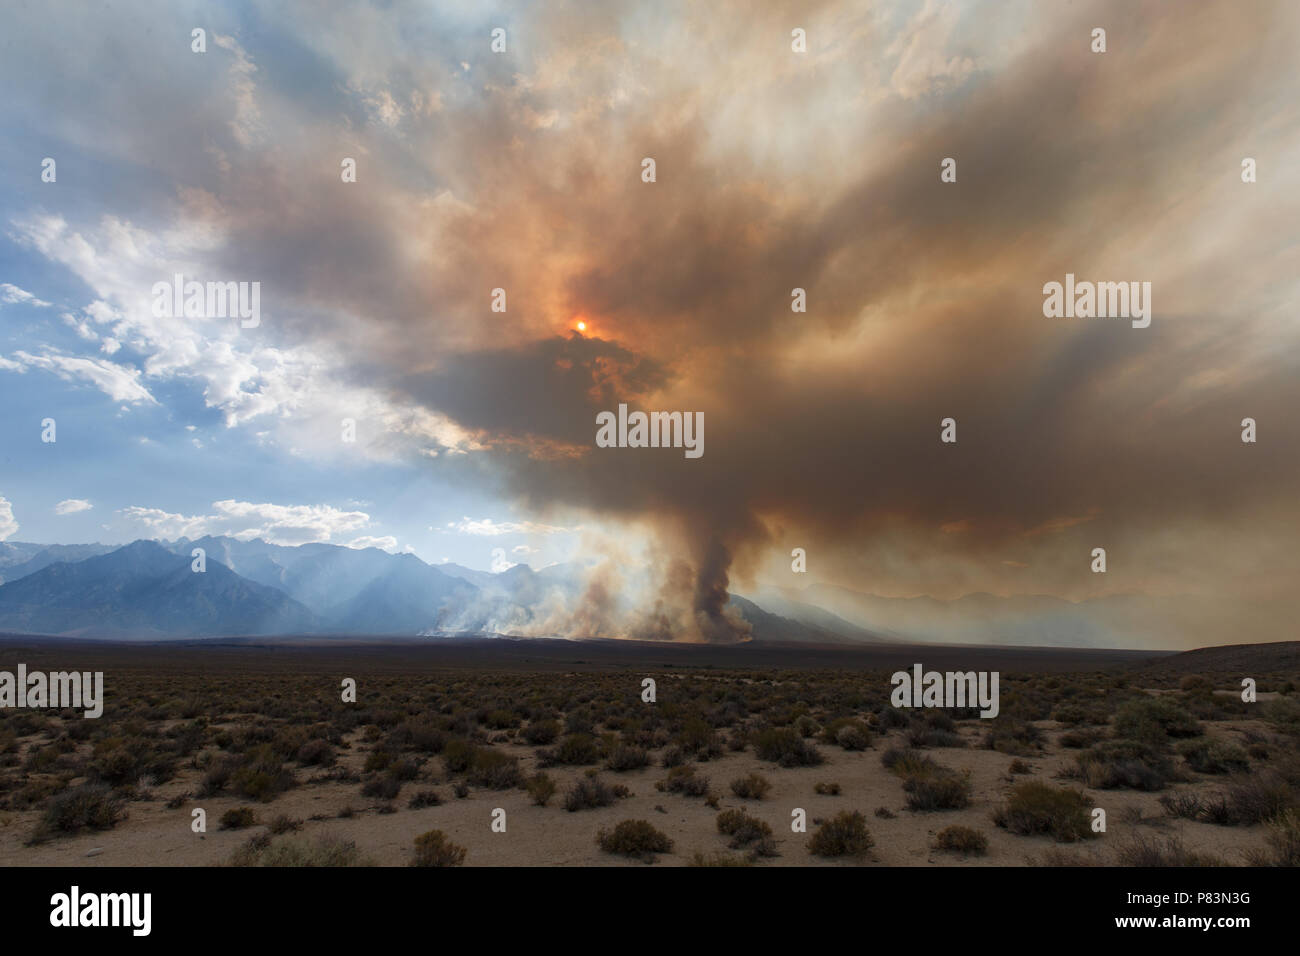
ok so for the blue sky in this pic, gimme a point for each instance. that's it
(151, 453)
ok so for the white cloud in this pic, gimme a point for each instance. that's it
(245, 520)
(71, 506)
(8, 525)
(386, 543)
(164, 524)
(120, 383)
(300, 387)
(81, 326)
(292, 524)
(488, 527)
(11, 294)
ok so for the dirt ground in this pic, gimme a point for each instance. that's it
(154, 835)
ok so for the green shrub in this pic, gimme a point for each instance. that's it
(501, 720)
(541, 732)
(1284, 714)
(87, 807)
(1034, 807)
(262, 776)
(1125, 764)
(1011, 735)
(1214, 755)
(458, 755)
(784, 746)
(377, 760)
(494, 770)
(1152, 720)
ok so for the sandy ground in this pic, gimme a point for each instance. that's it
(154, 835)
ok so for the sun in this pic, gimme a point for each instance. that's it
(582, 326)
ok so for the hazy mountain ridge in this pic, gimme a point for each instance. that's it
(331, 589)
(252, 587)
(19, 559)
(147, 588)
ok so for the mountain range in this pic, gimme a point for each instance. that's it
(147, 590)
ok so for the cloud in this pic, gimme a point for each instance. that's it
(385, 543)
(277, 524)
(118, 382)
(71, 506)
(10, 294)
(8, 526)
(163, 524)
(488, 527)
(304, 387)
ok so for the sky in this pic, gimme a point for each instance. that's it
(775, 169)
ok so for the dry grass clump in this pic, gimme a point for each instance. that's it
(635, 838)
(960, 839)
(435, 849)
(751, 787)
(845, 834)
